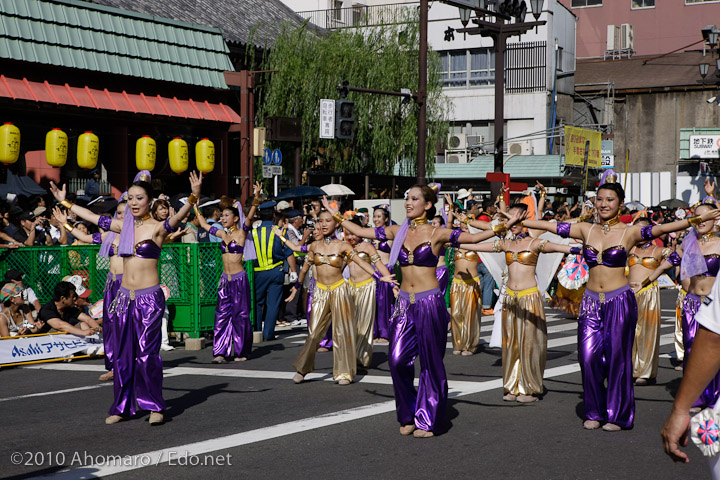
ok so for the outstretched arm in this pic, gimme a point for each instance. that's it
(257, 190)
(65, 226)
(651, 231)
(565, 230)
(486, 247)
(173, 222)
(357, 229)
(352, 256)
(288, 243)
(82, 212)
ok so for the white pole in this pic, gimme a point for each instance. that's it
(275, 177)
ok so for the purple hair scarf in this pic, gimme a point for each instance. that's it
(249, 249)
(693, 260)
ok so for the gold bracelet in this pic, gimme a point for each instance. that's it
(694, 221)
(500, 229)
(646, 283)
(282, 239)
(68, 227)
(501, 198)
(466, 220)
(256, 202)
(192, 199)
(338, 218)
(67, 204)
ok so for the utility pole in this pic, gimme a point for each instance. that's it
(421, 95)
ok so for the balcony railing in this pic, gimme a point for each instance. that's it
(358, 15)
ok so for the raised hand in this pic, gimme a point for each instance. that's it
(59, 215)
(709, 187)
(713, 214)
(257, 189)
(516, 217)
(539, 185)
(195, 182)
(327, 206)
(58, 193)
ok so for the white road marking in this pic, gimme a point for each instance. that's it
(56, 392)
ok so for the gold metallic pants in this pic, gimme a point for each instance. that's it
(364, 296)
(679, 348)
(524, 341)
(465, 321)
(331, 303)
(647, 333)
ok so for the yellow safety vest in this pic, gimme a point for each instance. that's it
(264, 251)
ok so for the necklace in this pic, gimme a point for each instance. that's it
(327, 240)
(418, 221)
(141, 220)
(232, 229)
(606, 224)
(707, 237)
(643, 246)
(519, 236)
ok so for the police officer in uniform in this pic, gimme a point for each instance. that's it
(269, 275)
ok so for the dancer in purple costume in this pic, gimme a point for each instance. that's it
(140, 303)
(699, 260)
(419, 324)
(109, 241)
(385, 303)
(608, 312)
(441, 272)
(232, 335)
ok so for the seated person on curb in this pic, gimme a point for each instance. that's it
(15, 317)
(62, 314)
(28, 294)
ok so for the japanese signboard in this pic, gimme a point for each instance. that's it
(327, 118)
(606, 153)
(575, 139)
(704, 146)
(43, 347)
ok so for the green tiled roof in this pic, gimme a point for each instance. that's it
(83, 35)
(518, 166)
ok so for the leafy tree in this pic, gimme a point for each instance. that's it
(385, 57)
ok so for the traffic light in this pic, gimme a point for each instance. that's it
(344, 119)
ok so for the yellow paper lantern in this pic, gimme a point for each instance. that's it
(145, 153)
(9, 143)
(56, 146)
(88, 150)
(205, 155)
(178, 154)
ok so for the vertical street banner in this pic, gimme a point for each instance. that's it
(327, 118)
(575, 139)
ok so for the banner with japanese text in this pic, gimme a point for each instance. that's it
(46, 347)
(575, 139)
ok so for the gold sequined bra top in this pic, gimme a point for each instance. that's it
(469, 256)
(362, 255)
(336, 260)
(647, 262)
(525, 257)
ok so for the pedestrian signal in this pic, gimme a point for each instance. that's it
(344, 119)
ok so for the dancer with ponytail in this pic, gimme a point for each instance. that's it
(232, 335)
(140, 302)
(608, 315)
(419, 324)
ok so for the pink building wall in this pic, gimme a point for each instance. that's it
(670, 25)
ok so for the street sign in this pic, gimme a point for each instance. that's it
(276, 157)
(575, 143)
(267, 157)
(277, 170)
(704, 146)
(607, 157)
(268, 171)
(327, 118)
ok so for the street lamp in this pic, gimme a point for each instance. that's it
(536, 6)
(465, 19)
(704, 67)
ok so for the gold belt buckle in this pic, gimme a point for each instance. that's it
(411, 260)
(412, 298)
(599, 258)
(602, 297)
(114, 277)
(514, 257)
(132, 294)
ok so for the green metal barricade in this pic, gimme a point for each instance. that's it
(191, 271)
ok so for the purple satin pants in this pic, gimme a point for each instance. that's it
(137, 364)
(112, 285)
(384, 307)
(443, 278)
(691, 304)
(419, 327)
(606, 333)
(233, 331)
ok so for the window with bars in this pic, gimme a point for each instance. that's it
(468, 68)
(643, 4)
(585, 3)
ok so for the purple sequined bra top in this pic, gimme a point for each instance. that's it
(231, 247)
(713, 265)
(613, 257)
(147, 249)
(421, 256)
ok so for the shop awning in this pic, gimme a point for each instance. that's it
(85, 97)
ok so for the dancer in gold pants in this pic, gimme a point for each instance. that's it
(524, 331)
(464, 297)
(332, 301)
(643, 259)
(679, 348)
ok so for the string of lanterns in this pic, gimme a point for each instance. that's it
(88, 147)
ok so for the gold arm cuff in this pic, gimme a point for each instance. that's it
(497, 245)
(375, 258)
(192, 199)
(338, 218)
(542, 244)
(500, 229)
(256, 202)
(694, 221)
(466, 220)
(501, 198)
(68, 227)
(282, 239)
(67, 204)
(351, 255)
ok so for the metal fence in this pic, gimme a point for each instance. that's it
(191, 271)
(358, 15)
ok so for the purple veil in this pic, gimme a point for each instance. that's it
(111, 236)
(693, 260)
(127, 233)
(249, 249)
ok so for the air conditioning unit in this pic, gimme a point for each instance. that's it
(520, 148)
(613, 37)
(475, 141)
(626, 36)
(456, 157)
(457, 141)
(439, 158)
